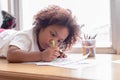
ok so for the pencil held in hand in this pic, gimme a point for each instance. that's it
(53, 43)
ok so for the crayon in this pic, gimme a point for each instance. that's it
(53, 43)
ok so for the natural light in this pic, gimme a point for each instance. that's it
(95, 14)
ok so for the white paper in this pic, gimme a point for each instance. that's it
(72, 61)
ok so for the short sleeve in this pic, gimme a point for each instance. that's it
(21, 41)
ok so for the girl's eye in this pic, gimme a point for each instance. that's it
(52, 34)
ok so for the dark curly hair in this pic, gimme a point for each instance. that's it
(55, 15)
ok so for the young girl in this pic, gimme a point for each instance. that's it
(53, 26)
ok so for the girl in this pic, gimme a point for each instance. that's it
(53, 24)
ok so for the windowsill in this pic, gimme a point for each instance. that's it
(103, 50)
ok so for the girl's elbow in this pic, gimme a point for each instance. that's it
(10, 57)
(11, 54)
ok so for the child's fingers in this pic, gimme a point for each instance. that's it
(56, 54)
(63, 55)
(56, 48)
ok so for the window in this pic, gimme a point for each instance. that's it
(3, 6)
(95, 14)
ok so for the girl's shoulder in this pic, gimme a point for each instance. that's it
(27, 32)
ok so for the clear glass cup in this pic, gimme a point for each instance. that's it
(89, 47)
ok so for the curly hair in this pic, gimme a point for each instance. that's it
(55, 15)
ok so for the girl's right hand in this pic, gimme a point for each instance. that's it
(49, 54)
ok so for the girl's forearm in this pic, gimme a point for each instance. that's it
(17, 55)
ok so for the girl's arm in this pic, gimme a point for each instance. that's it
(17, 55)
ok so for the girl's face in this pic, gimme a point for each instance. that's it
(53, 32)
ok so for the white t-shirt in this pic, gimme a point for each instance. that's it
(25, 40)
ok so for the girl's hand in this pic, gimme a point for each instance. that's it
(62, 55)
(50, 54)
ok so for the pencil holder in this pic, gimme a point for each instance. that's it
(89, 47)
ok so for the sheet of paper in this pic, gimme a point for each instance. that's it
(72, 61)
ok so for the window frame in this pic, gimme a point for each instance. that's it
(115, 29)
(15, 8)
(0, 14)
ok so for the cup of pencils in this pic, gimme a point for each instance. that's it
(89, 47)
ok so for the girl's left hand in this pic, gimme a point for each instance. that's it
(62, 55)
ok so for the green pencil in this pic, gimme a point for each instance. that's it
(53, 43)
